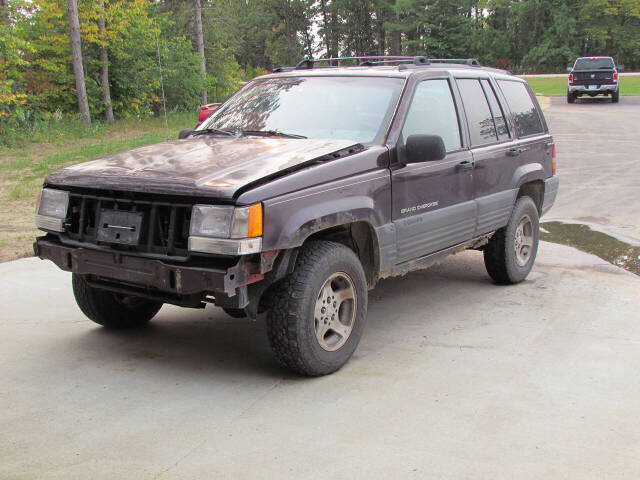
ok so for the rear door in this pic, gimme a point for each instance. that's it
(532, 142)
(495, 156)
(433, 206)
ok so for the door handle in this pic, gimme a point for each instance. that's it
(465, 165)
(515, 152)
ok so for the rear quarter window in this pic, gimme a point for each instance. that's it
(525, 114)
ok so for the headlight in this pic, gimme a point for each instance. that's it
(226, 230)
(52, 209)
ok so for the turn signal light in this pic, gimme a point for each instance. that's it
(255, 220)
(571, 78)
(615, 77)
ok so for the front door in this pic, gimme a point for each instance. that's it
(433, 204)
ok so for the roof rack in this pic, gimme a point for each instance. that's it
(309, 63)
(370, 61)
(283, 69)
(472, 62)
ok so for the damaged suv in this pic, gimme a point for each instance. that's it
(303, 190)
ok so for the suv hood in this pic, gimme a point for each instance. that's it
(203, 166)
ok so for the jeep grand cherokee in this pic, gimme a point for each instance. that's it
(303, 190)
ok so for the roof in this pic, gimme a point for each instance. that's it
(379, 67)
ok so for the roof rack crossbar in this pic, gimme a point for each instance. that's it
(364, 61)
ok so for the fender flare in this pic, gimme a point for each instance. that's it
(327, 214)
(527, 173)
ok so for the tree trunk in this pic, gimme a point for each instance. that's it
(325, 25)
(396, 38)
(104, 74)
(76, 54)
(4, 10)
(203, 65)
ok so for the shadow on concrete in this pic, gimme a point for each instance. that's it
(210, 344)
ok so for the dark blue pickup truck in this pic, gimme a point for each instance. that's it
(593, 76)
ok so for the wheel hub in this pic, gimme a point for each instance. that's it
(335, 311)
(523, 241)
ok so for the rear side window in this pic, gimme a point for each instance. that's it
(433, 112)
(496, 110)
(481, 126)
(525, 114)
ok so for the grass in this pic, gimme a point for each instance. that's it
(45, 150)
(557, 86)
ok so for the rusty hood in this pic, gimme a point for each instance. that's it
(204, 166)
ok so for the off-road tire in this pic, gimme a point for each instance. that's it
(571, 98)
(615, 96)
(500, 255)
(235, 312)
(290, 318)
(111, 309)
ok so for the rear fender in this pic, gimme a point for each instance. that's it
(527, 173)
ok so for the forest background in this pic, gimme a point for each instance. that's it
(243, 38)
(207, 48)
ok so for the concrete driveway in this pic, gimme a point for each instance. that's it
(598, 144)
(454, 378)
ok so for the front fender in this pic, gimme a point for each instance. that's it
(289, 221)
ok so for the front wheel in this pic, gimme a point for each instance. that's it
(112, 310)
(509, 255)
(317, 314)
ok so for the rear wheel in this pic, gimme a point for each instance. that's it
(317, 314)
(615, 96)
(112, 310)
(571, 98)
(511, 252)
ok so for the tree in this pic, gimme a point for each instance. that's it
(203, 65)
(104, 60)
(76, 53)
(4, 10)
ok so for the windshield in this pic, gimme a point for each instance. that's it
(349, 108)
(594, 63)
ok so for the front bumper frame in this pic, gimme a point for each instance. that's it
(173, 283)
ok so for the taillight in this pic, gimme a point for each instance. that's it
(204, 114)
(615, 77)
(553, 159)
(571, 78)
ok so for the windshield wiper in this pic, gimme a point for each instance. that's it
(270, 133)
(215, 131)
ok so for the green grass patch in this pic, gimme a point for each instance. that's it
(40, 151)
(557, 86)
(67, 146)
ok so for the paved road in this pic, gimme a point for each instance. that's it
(550, 75)
(455, 377)
(598, 145)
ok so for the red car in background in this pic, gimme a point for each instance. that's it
(205, 112)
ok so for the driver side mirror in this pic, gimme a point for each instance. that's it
(569, 69)
(185, 133)
(425, 148)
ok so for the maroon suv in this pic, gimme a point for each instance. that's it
(304, 189)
